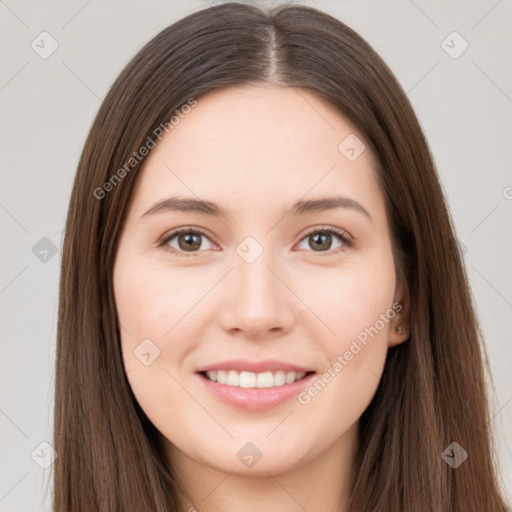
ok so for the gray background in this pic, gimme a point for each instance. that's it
(47, 106)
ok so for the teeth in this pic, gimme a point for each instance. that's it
(254, 380)
(247, 380)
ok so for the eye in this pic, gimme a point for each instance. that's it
(188, 241)
(322, 238)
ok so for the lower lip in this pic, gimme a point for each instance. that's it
(256, 399)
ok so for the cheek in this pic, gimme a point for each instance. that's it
(357, 308)
(349, 299)
(157, 312)
(151, 300)
(146, 312)
(139, 306)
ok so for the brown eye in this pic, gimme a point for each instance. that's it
(187, 241)
(321, 240)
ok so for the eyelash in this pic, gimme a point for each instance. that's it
(344, 238)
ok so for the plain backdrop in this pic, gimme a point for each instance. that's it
(462, 97)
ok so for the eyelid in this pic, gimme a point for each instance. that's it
(346, 239)
(162, 241)
(330, 229)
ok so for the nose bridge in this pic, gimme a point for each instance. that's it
(252, 277)
(257, 299)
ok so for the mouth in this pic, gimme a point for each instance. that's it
(252, 380)
(268, 385)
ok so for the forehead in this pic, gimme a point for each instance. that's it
(251, 145)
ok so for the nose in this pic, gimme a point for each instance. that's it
(258, 301)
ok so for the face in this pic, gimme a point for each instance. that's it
(292, 308)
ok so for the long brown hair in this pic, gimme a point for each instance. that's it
(433, 390)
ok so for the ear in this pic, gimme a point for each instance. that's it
(400, 324)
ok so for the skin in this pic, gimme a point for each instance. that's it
(254, 150)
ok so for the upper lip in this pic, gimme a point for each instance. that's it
(241, 365)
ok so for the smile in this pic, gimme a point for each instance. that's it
(262, 391)
(246, 379)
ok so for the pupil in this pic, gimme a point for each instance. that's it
(321, 238)
(190, 241)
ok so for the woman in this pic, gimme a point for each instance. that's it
(262, 302)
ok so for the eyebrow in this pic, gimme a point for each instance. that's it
(299, 208)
